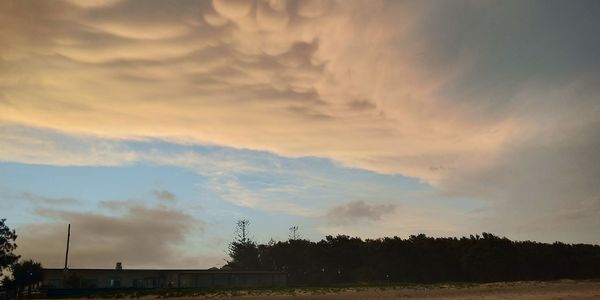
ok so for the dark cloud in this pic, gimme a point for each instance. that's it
(503, 46)
(31, 21)
(309, 113)
(552, 179)
(357, 211)
(361, 105)
(164, 195)
(137, 235)
(152, 12)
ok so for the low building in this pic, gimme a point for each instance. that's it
(159, 278)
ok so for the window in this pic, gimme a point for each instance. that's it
(115, 283)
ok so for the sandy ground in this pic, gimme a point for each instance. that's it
(516, 290)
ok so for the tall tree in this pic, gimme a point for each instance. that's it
(294, 233)
(7, 246)
(243, 250)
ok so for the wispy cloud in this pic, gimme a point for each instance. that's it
(37, 199)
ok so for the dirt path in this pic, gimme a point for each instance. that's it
(517, 290)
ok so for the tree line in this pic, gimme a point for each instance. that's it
(343, 259)
(419, 258)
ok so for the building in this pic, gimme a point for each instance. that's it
(159, 278)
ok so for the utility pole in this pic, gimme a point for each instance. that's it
(67, 254)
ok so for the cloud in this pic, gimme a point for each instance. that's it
(94, 3)
(164, 195)
(457, 95)
(380, 220)
(37, 199)
(233, 9)
(138, 236)
(356, 211)
(548, 179)
(290, 70)
(35, 146)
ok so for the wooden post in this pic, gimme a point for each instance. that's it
(67, 253)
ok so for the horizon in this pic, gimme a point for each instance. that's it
(145, 121)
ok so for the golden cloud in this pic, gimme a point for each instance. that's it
(360, 83)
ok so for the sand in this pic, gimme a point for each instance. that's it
(491, 291)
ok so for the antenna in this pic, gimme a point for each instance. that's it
(67, 254)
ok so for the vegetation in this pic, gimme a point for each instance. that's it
(422, 259)
(24, 274)
(243, 250)
(7, 246)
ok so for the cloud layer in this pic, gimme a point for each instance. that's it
(497, 101)
(283, 77)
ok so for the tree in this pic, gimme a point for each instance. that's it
(420, 258)
(25, 274)
(7, 246)
(243, 251)
(294, 233)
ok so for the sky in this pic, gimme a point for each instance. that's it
(152, 126)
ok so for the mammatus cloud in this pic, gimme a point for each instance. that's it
(298, 72)
(496, 101)
(136, 234)
(356, 211)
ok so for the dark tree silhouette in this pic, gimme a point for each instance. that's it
(419, 258)
(243, 251)
(294, 233)
(25, 274)
(7, 246)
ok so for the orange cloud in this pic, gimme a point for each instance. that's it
(363, 84)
